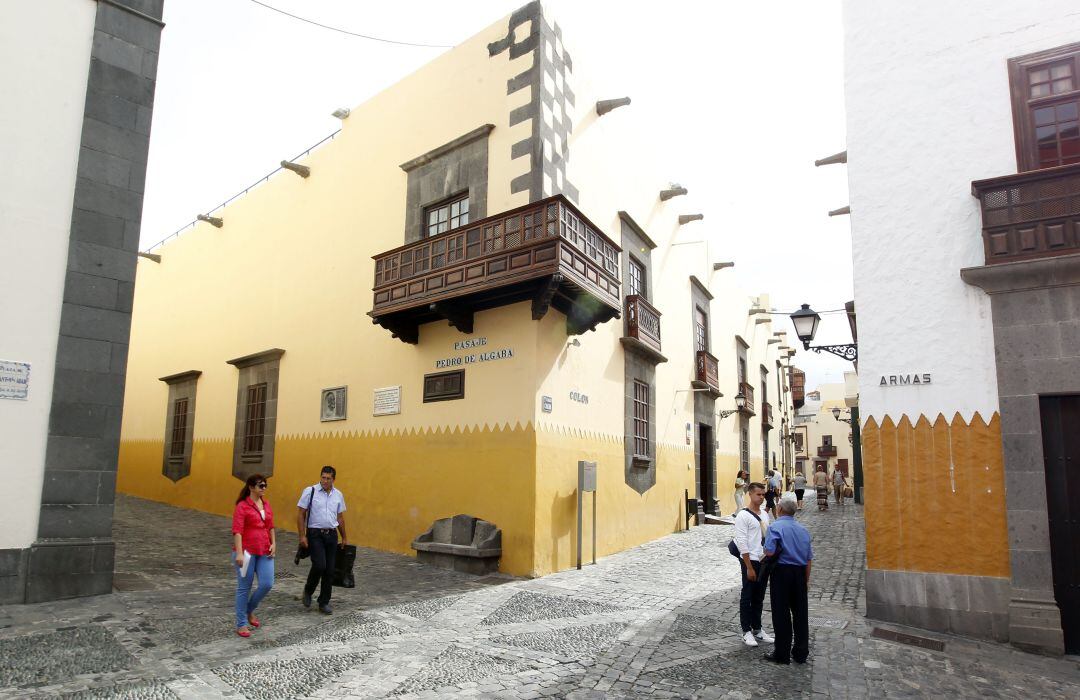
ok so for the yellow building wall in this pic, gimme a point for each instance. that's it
(395, 483)
(935, 496)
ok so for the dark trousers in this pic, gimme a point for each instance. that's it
(789, 612)
(323, 547)
(752, 598)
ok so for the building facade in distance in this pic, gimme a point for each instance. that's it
(964, 172)
(468, 289)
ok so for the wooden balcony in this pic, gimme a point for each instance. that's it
(546, 251)
(643, 328)
(766, 415)
(826, 451)
(1030, 215)
(747, 390)
(707, 374)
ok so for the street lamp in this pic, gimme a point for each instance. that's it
(806, 322)
(836, 416)
(740, 404)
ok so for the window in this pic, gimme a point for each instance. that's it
(255, 419)
(826, 440)
(764, 385)
(1046, 107)
(765, 450)
(744, 444)
(636, 282)
(798, 441)
(446, 215)
(179, 428)
(742, 370)
(641, 420)
(701, 329)
(444, 386)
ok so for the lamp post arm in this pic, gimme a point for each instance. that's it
(849, 351)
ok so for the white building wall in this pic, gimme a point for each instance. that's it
(49, 42)
(928, 110)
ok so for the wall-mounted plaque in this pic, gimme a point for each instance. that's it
(444, 386)
(14, 380)
(387, 401)
(545, 404)
(334, 404)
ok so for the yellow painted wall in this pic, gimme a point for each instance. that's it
(920, 519)
(395, 483)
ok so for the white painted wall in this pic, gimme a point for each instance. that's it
(817, 420)
(928, 111)
(44, 61)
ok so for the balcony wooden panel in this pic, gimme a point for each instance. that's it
(826, 451)
(546, 251)
(747, 390)
(707, 373)
(1030, 215)
(766, 415)
(643, 321)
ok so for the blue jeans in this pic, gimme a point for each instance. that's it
(246, 601)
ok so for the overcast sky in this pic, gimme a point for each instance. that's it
(746, 95)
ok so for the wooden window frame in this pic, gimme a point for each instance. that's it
(179, 427)
(433, 394)
(826, 441)
(1027, 155)
(446, 204)
(642, 288)
(642, 444)
(701, 331)
(255, 420)
(744, 444)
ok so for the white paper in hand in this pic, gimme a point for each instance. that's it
(247, 563)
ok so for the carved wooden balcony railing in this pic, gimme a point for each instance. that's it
(826, 451)
(766, 414)
(643, 322)
(1030, 215)
(747, 390)
(707, 374)
(546, 251)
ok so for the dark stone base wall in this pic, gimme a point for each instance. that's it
(972, 606)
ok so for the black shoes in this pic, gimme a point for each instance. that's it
(773, 658)
(307, 599)
(326, 609)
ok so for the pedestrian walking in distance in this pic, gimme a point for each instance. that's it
(838, 485)
(799, 485)
(751, 524)
(253, 550)
(789, 542)
(740, 489)
(821, 487)
(320, 516)
(772, 492)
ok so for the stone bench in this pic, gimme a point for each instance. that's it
(462, 543)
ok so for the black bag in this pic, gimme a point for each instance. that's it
(343, 566)
(731, 546)
(302, 551)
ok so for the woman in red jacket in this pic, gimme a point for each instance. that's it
(253, 550)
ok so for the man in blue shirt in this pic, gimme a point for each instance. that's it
(789, 541)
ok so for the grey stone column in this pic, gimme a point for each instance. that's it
(1036, 311)
(73, 555)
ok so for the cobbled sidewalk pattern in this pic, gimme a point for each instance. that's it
(660, 620)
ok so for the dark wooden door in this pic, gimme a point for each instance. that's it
(706, 457)
(1061, 456)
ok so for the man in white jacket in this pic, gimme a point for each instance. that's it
(751, 524)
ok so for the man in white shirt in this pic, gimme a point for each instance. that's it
(750, 526)
(320, 515)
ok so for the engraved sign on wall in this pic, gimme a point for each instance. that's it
(387, 401)
(14, 380)
(333, 404)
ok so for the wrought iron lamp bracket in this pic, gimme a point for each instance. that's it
(849, 352)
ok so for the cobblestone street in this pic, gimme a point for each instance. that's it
(657, 621)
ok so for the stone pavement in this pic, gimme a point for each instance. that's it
(656, 621)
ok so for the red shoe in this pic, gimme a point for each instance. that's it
(243, 632)
(253, 622)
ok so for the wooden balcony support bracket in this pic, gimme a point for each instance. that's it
(458, 316)
(402, 330)
(544, 294)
